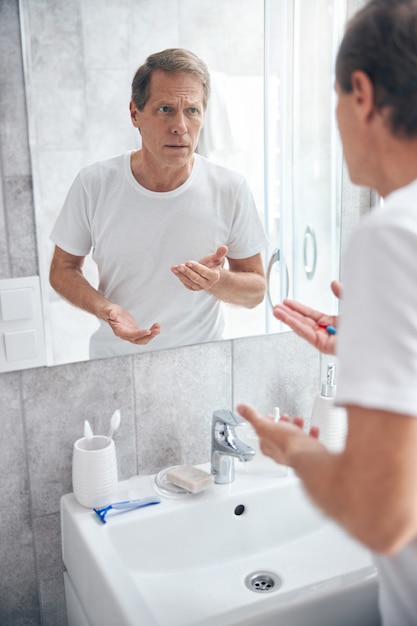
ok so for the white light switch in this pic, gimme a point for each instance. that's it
(16, 304)
(22, 344)
(22, 335)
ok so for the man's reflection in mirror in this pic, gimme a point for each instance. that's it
(172, 234)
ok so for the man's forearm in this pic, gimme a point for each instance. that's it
(370, 487)
(325, 479)
(71, 285)
(371, 494)
(245, 289)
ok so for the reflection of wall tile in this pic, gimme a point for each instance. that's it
(108, 97)
(56, 169)
(227, 35)
(61, 122)
(4, 257)
(57, 80)
(18, 196)
(106, 34)
(13, 128)
(17, 238)
(173, 424)
(154, 27)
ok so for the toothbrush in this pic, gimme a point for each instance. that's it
(127, 505)
(88, 433)
(114, 423)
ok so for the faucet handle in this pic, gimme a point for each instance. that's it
(227, 417)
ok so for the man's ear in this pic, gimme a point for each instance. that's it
(363, 93)
(134, 114)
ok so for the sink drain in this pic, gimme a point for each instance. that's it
(263, 582)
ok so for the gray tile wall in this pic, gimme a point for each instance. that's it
(166, 398)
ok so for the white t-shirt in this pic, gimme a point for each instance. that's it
(137, 235)
(377, 349)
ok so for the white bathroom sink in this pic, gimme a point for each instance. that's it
(251, 553)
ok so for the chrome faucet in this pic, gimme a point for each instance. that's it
(225, 446)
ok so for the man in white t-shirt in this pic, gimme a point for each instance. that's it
(172, 234)
(371, 487)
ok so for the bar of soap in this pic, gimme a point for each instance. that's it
(190, 478)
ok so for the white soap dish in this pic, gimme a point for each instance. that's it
(165, 488)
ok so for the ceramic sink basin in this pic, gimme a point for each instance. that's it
(251, 553)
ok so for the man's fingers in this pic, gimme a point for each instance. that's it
(221, 252)
(249, 414)
(336, 288)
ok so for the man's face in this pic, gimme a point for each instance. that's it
(172, 118)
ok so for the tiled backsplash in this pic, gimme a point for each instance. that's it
(166, 398)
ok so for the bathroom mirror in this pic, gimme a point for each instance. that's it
(271, 117)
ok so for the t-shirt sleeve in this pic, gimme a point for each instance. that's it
(378, 328)
(247, 236)
(71, 231)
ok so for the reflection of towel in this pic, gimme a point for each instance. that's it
(217, 133)
(233, 135)
(235, 107)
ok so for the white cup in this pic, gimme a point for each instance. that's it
(94, 471)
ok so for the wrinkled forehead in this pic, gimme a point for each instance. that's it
(176, 85)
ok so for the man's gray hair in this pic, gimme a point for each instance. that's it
(381, 41)
(169, 60)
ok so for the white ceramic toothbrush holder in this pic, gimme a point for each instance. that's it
(94, 471)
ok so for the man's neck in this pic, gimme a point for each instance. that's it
(157, 177)
(397, 163)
